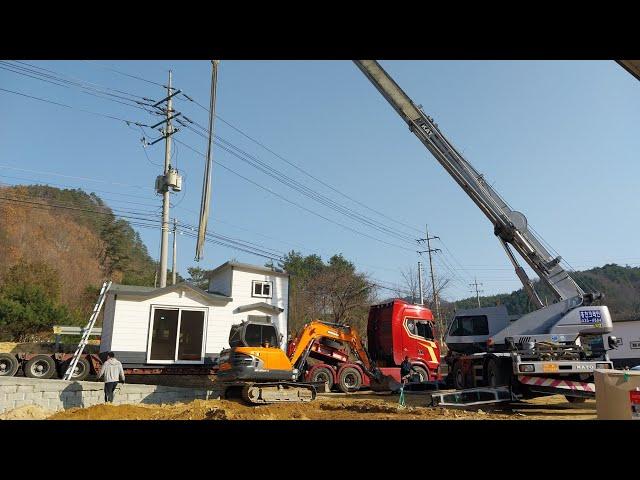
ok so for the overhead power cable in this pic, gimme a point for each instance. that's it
(300, 169)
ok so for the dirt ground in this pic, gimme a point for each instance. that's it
(361, 406)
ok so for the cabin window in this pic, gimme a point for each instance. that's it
(420, 328)
(258, 335)
(261, 289)
(474, 325)
(177, 335)
(425, 330)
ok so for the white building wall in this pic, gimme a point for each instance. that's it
(127, 320)
(241, 291)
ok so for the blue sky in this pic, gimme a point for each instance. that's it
(558, 139)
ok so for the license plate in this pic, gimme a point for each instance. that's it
(550, 367)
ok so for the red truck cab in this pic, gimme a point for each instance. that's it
(397, 329)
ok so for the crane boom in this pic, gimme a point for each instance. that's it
(510, 226)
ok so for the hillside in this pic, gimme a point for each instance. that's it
(620, 285)
(64, 253)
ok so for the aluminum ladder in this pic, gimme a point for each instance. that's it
(87, 331)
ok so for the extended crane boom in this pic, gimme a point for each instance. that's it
(509, 225)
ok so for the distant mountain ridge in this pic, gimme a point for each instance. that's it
(620, 285)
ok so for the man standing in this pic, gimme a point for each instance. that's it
(405, 370)
(113, 373)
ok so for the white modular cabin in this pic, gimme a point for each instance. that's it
(627, 333)
(184, 325)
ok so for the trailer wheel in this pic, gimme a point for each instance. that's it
(571, 399)
(349, 380)
(323, 374)
(40, 366)
(496, 375)
(81, 372)
(457, 376)
(8, 365)
(422, 373)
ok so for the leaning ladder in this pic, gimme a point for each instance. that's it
(87, 331)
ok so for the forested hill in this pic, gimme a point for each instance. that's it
(57, 247)
(620, 285)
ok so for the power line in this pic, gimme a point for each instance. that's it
(217, 162)
(303, 189)
(297, 167)
(126, 74)
(75, 108)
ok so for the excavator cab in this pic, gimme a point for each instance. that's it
(255, 354)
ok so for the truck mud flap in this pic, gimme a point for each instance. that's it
(554, 386)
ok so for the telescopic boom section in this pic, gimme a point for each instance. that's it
(510, 226)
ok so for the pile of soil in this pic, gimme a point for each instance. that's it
(26, 412)
(229, 410)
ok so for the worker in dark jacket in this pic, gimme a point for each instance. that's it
(113, 374)
(405, 370)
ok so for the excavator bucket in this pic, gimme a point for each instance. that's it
(384, 383)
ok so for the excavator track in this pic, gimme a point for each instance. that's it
(277, 392)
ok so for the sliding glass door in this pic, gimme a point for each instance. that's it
(177, 335)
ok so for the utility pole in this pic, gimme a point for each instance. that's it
(164, 241)
(175, 250)
(420, 283)
(475, 284)
(430, 250)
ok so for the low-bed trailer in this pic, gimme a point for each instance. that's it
(54, 365)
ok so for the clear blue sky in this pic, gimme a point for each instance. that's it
(558, 139)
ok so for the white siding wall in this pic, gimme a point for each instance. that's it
(241, 291)
(132, 320)
(127, 320)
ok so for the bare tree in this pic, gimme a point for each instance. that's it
(410, 286)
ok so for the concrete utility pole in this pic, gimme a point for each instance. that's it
(475, 284)
(420, 283)
(175, 251)
(164, 241)
(430, 250)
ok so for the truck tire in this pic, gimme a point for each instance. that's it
(349, 380)
(40, 366)
(497, 375)
(457, 377)
(81, 371)
(422, 372)
(8, 365)
(323, 374)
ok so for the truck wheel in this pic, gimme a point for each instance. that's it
(571, 399)
(457, 376)
(496, 375)
(81, 371)
(422, 373)
(349, 380)
(8, 365)
(40, 366)
(323, 374)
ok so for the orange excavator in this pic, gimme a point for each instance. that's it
(260, 372)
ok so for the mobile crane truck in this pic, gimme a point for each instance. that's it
(554, 349)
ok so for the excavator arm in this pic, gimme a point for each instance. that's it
(509, 226)
(317, 330)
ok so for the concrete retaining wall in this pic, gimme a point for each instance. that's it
(60, 394)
